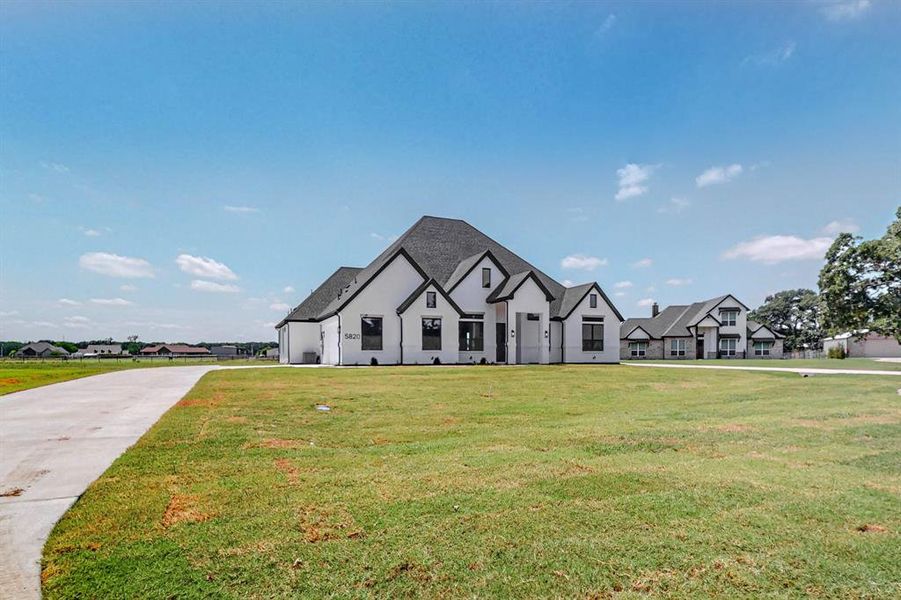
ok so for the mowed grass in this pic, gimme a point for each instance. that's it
(866, 364)
(499, 482)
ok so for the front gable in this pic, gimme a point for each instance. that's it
(708, 321)
(637, 333)
(763, 333)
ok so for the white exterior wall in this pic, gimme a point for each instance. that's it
(329, 329)
(295, 338)
(556, 354)
(378, 299)
(528, 299)
(741, 322)
(470, 297)
(412, 326)
(573, 333)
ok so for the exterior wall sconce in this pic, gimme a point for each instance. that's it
(545, 334)
(513, 333)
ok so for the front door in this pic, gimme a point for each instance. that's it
(699, 348)
(501, 340)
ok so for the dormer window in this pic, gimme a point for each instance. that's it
(486, 277)
(431, 300)
(593, 300)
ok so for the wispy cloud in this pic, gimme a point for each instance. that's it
(288, 289)
(644, 263)
(676, 281)
(674, 206)
(90, 232)
(128, 288)
(842, 10)
(773, 57)
(241, 209)
(213, 287)
(632, 180)
(577, 214)
(76, 322)
(619, 294)
(111, 301)
(645, 302)
(834, 228)
(8, 313)
(383, 238)
(567, 283)
(621, 285)
(114, 265)
(202, 266)
(582, 262)
(772, 249)
(68, 302)
(279, 306)
(715, 175)
(53, 166)
(606, 25)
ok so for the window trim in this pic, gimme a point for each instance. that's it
(638, 349)
(381, 336)
(678, 347)
(762, 348)
(588, 342)
(431, 299)
(486, 277)
(423, 335)
(592, 300)
(725, 315)
(473, 322)
(726, 351)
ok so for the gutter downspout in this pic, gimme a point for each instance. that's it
(563, 341)
(507, 335)
(339, 338)
(401, 317)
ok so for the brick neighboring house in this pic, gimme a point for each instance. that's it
(41, 350)
(175, 350)
(715, 328)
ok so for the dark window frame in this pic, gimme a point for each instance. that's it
(476, 343)
(729, 317)
(677, 351)
(431, 299)
(486, 277)
(592, 300)
(431, 337)
(593, 342)
(366, 339)
(638, 349)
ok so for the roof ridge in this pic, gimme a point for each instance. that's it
(677, 319)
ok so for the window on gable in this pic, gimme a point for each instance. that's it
(371, 330)
(728, 318)
(431, 334)
(592, 337)
(638, 349)
(677, 347)
(472, 336)
(486, 277)
(431, 299)
(593, 300)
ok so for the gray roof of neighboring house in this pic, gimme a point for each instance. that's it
(104, 348)
(41, 347)
(316, 302)
(444, 250)
(674, 320)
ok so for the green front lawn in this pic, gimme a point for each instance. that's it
(499, 482)
(867, 364)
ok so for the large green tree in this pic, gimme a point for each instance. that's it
(860, 284)
(794, 314)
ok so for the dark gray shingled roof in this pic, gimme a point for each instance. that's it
(316, 302)
(674, 320)
(419, 291)
(438, 246)
(566, 302)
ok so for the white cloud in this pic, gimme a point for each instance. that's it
(128, 288)
(621, 285)
(8, 313)
(241, 209)
(715, 175)
(606, 26)
(650, 289)
(841, 226)
(288, 289)
(111, 301)
(279, 306)
(773, 57)
(676, 205)
(582, 262)
(619, 294)
(644, 302)
(383, 238)
(577, 215)
(68, 302)
(567, 283)
(201, 266)
(90, 232)
(632, 178)
(114, 265)
(676, 281)
(76, 322)
(43, 324)
(52, 166)
(771, 249)
(845, 11)
(643, 263)
(210, 286)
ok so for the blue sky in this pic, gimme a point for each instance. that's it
(187, 171)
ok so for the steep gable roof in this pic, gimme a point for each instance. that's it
(563, 305)
(675, 320)
(316, 302)
(419, 291)
(467, 265)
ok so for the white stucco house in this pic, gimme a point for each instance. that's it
(715, 328)
(446, 293)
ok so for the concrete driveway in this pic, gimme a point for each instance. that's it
(55, 440)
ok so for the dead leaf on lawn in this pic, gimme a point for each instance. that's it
(183, 508)
(291, 472)
(871, 528)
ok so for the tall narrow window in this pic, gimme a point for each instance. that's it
(371, 330)
(431, 299)
(472, 336)
(431, 334)
(592, 337)
(486, 277)
(593, 300)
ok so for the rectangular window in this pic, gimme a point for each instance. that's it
(431, 334)
(472, 336)
(677, 347)
(371, 328)
(728, 318)
(533, 317)
(637, 349)
(431, 299)
(592, 337)
(593, 300)
(727, 346)
(486, 277)
(762, 348)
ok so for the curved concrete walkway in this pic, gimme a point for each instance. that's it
(799, 370)
(55, 440)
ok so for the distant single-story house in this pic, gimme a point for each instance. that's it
(715, 328)
(101, 350)
(175, 350)
(226, 351)
(271, 352)
(864, 344)
(40, 350)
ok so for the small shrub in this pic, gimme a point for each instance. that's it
(373, 362)
(437, 361)
(836, 352)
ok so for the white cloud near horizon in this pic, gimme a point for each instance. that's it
(279, 306)
(68, 302)
(834, 228)
(288, 289)
(582, 262)
(621, 285)
(111, 301)
(128, 288)
(241, 209)
(772, 249)
(202, 266)
(716, 175)
(632, 180)
(114, 265)
(842, 10)
(200, 285)
(677, 281)
(642, 264)
(645, 302)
